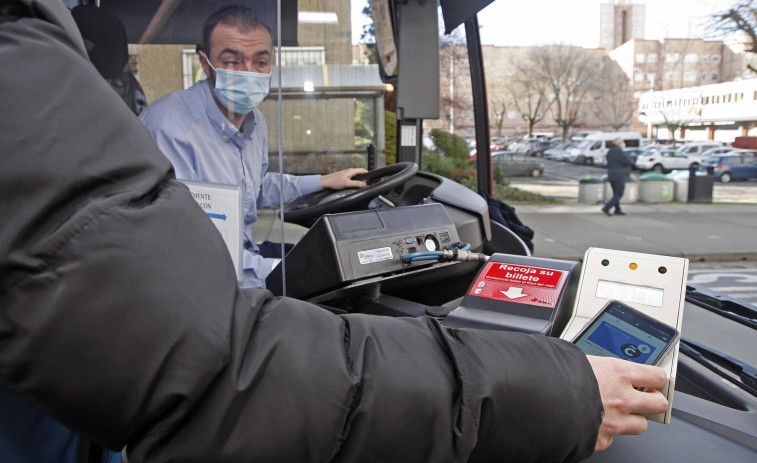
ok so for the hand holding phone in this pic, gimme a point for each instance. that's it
(623, 332)
(620, 387)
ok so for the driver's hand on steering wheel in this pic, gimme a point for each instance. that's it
(343, 179)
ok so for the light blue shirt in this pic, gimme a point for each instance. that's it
(204, 146)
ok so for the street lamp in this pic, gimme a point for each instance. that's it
(650, 77)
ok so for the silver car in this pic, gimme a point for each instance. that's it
(516, 164)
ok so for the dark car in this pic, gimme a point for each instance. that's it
(633, 153)
(538, 148)
(516, 164)
(732, 167)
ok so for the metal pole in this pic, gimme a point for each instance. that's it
(478, 84)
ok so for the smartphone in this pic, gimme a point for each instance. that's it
(623, 332)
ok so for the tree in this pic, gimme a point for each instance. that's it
(450, 144)
(498, 110)
(740, 18)
(368, 34)
(678, 113)
(613, 96)
(390, 136)
(528, 89)
(570, 72)
(453, 57)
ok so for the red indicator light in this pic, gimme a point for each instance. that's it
(662, 270)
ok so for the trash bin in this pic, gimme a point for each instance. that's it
(630, 194)
(590, 190)
(655, 188)
(680, 180)
(700, 186)
(698, 190)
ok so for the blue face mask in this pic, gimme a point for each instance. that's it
(240, 91)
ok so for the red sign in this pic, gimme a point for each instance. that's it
(524, 275)
(520, 283)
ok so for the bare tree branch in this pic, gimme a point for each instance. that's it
(741, 17)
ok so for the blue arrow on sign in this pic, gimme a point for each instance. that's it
(216, 216)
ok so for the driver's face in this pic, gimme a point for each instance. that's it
(235, 50)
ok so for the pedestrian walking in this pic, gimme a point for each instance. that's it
(618, 173)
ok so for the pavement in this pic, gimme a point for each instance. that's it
(698, 232)
(723, 231)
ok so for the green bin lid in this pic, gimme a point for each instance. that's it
(653, 176)
(589, 179)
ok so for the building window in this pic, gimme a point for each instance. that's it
(638, 76)
(652, 58)
(689, 76)
(191, 71)
(690, 58)
(303, 56)
(715, 76)
(715, 58)
(704, 76)
(705, 58)
(672, 57)
(671, 75)
(512, 115)
(640, 57)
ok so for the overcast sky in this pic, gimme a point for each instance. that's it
(576, 22)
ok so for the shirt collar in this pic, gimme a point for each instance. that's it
(219, 121)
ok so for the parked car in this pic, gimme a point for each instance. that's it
(516, 164)
(497, 143)
(538, 148)
(634, 153)
(559, 152)
(729, 167)
(718, 150)
(593, 149)
(698, 147)
(665, 160)
(580, 135)
(522, 146)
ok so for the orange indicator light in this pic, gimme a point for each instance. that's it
(633, 266)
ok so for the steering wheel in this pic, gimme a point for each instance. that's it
(307, 209)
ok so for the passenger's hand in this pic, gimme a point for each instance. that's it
(343, 179)
(624, 405)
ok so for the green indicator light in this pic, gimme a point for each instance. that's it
(605, 262)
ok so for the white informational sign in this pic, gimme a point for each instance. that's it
(223, 205)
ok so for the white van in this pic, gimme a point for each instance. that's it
(593, 148)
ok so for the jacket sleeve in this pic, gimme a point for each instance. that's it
(120, 315)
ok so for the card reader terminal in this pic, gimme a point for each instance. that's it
(519, 293)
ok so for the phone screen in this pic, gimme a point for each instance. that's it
(623, 332)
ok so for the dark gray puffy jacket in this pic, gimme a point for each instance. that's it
(120, 314)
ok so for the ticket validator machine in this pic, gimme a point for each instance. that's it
(559, 298)
(652, 284)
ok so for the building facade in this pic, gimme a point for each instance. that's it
(619, 22)
(718, 112)
(660, 65)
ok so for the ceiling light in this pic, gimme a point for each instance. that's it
(317, 17)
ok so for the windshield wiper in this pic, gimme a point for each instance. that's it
(735, 371)
(727, 307)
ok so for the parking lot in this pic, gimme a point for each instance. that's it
(560, 180)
